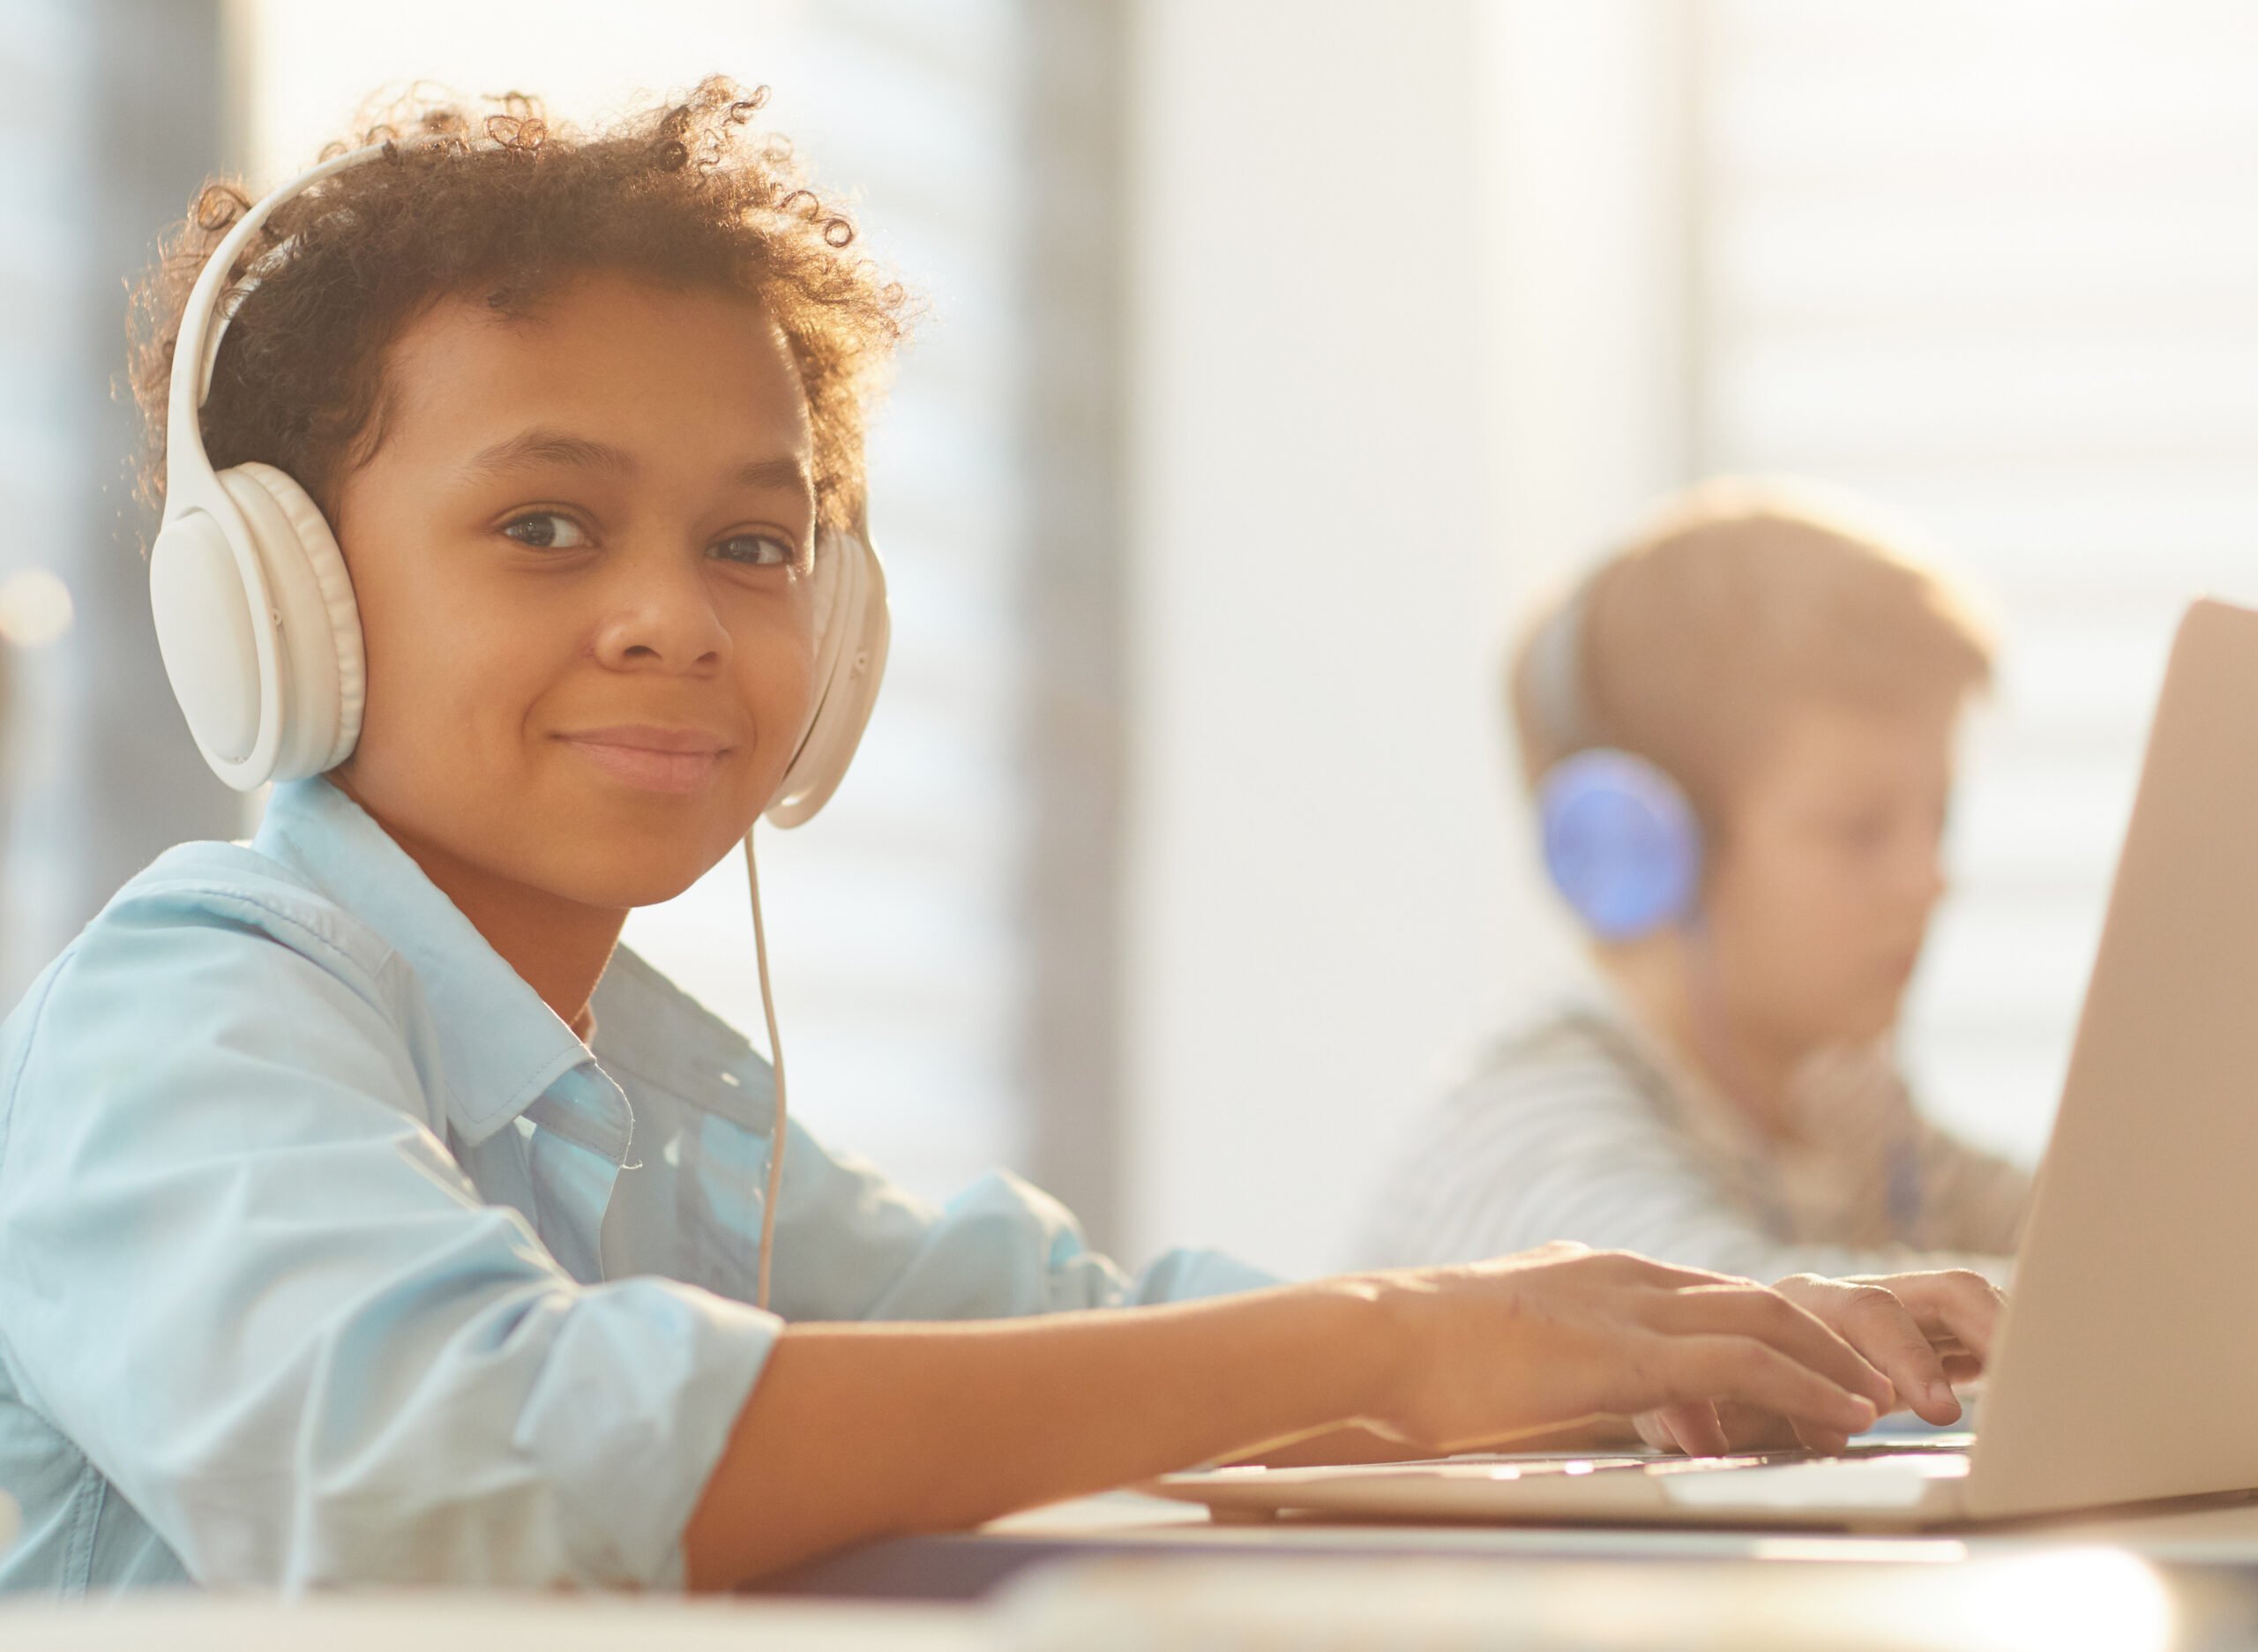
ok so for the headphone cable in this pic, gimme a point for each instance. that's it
(775, 1171)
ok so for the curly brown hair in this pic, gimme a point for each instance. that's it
(496, 200)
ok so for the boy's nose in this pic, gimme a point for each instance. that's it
(661, 612)
(1925, 879)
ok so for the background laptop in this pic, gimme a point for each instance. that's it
(2126, 1367)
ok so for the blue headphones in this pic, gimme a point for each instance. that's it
(1621, 841)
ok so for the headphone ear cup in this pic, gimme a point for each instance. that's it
(1621, 843)
(854, 629)
(323, 682)
(216, 642)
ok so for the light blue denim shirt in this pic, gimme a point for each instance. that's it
(328, 1253)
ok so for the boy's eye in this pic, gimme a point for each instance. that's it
(757, 551)
(546, 530)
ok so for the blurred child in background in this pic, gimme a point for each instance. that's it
(1738, 732)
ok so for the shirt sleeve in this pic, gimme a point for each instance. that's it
(239, 1270)
(852, 1244)
(1568, 1147)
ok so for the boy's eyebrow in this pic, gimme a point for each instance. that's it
(788, 470)
(541, 446)
(529, 448)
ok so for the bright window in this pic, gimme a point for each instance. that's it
(1993, 265)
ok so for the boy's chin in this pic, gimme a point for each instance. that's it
(638, 873)
(1869, 1019)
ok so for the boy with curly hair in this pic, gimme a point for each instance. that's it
(367, 1214)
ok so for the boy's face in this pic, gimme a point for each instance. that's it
(1830, 866)
(582, 554)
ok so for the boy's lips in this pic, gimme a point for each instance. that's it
(652, 756)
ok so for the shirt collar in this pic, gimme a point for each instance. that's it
(501, 1046)
(1842, 1094)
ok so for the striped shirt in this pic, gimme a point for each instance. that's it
(1581, 1126)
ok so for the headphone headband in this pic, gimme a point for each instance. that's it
(1554, 671)
(198, 343)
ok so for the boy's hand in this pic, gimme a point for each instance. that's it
(1478, 1355)
(1922, 1331)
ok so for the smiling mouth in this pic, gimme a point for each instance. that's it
(652, 759)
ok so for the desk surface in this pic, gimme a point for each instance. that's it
(1124, 1571)
(1150, 1581)
(969, 1566)
(1157, 1576)
(165, 1621)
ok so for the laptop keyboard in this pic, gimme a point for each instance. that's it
(1532, 1464)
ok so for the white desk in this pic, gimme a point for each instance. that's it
(1158, 1577)
(971, 1566)
(189, 1622)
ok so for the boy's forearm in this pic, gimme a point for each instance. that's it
(863, 1430)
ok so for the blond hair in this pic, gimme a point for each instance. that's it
(1741, 602)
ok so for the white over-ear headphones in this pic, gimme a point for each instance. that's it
(255, 614)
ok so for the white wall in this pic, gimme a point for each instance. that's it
(1368, 418)
(1590, 362)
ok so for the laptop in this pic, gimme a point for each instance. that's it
(2125, 1369)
